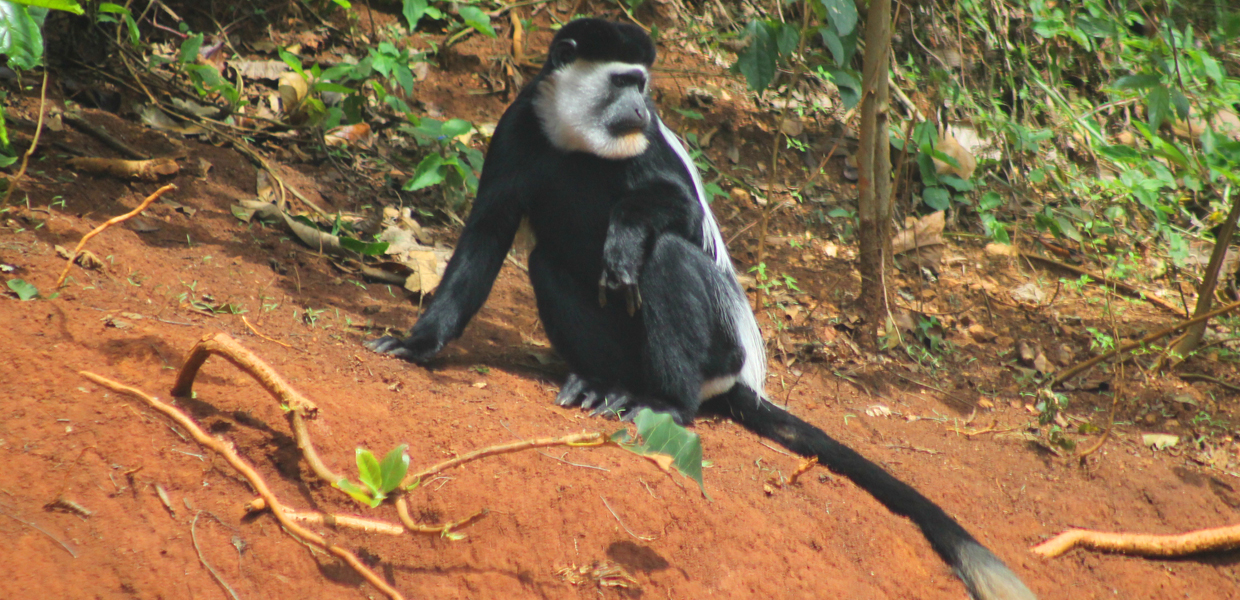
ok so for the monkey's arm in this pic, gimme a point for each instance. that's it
(635, 223)
(471, 271)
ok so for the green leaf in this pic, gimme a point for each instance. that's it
(413, 11)
(189, 49)
(356, 492)
(455, 127)
(427, 174)
(1157, 104)
(363, 248)
(24, 290)
(937, 198)
(848, 84)
(843, 15)
(689, 114)
(21, 38)
(1180, 103)
(327, 86)
(293, 62)
(757, 61)
(1068, 228)
(474, 17)
(368, 470)
(786, 39)
(660, 435)
(956, 183)
(70, 6)
(1136, 82)
(990, 201)
(394, 466)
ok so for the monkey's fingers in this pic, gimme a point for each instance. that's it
(572, 388)
(613, 403)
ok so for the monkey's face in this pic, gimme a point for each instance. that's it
(599, 107)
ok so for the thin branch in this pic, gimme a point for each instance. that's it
(1064, 375)
(34, 143)
(193, 536)
(592, 438)
(106, 224)
(256, 481)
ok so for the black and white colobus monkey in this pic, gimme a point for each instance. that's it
(634, 285)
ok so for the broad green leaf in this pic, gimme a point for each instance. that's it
(327, 86)
(937, 198)
(455, 127)
(394, 466)
(786, 39)
(189, 49)
(661, 436)
(20, 36)
(23, 289)
(843, 15)
(1180, 103)
(956, 183)
(413, 11)
(474, 17)
(363, 248)
(990, 201)
(1157, 104)
(757, 61)
(1068, 228)
(70, 6)
(1136, 82)
(848, 84)
(427, 174)
(368, 470)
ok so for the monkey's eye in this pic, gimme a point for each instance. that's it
(634, 78)
(565, 52)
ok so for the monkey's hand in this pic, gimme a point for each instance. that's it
(622, 262)
(415, 348)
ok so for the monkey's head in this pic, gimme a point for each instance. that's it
(592, 93)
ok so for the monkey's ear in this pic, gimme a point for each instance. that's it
(564, 52)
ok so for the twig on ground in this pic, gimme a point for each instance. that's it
(1141, 544)
(36, 527)
(402, 511)
(259, 334)
(259, 484)
(106, 224)
(228, 348)
(591, 438)
(102, 135)
(34, 143)
(1118, 285)
(193, 536)
(1203, 377)
(802, 468)
(1066, 373)
(988, 429)
(644, 538)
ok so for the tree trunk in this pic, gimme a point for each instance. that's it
(1205, 293)
(874, 164)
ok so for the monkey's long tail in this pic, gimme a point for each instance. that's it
(983, 574)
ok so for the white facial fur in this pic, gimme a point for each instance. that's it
(568, 102)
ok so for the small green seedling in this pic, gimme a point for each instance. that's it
(380, 478)
(23, 289)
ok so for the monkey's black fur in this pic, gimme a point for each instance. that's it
(633, 287)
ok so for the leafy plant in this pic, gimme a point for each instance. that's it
(24, 290)
(660, 439)
(380, 478)
(450, 162)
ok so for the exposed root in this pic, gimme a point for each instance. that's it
(1140, 544)
(226, 450)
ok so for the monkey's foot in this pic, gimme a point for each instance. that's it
(589, 395)
(411, 349)
(611, 400)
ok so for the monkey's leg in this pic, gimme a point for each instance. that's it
(690, 349)
(601, 345)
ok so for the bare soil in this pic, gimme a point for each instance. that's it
(62, 437)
